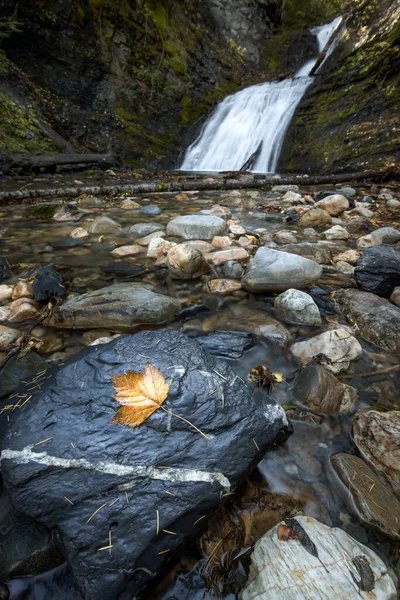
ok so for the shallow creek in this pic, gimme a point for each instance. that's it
(300, 469)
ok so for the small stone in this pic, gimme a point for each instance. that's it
(232, 269)
(389, 235)
(319, 391)
(348, 191)
(315, 217)
(244, 241)
(126, 251)
(5, 292)
(345, 267)
(196, 227)
(186, 262)
(297, 307)
(223, 286)
(157, 246)
(78, 233)
(8, 335)
(181, 198)
(282, 189)
(222, 256)
(350, 256)
(337, 232)
(145, 241)
(103, 224)
(334, 205)
(393, 203)
(21, 309)
(292, 197)
(23, 289)
(394, 298)
(337, 348)
(150, 210)
(284, 237)
(369, 241)
(221, 241)
(90, 201)
(201, 245)
(237, 230)
(128, 204)
(363, 212)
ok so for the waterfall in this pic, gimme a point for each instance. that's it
(253, 123)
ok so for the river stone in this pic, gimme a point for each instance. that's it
(315, 217)
(287, 570)
(145, 241)
(318, 252)
(334, 204)
(239, 317)
(19, 368)
(232, 269)
(150, 210)
(145, 229)
(284, 237)
(322, 393)
(8, 335)
(104, 224)
(372, 498)
(389, 235)
(48, 284)
(337, 232)
(276, 271)
(350, 256)
(118, 307)
(197, 227)
(161, 476)
(369, 241)
(378, 270)
(186, 262)
(297, 307)
(223, 286)
(337, 348)
(377, 321)
(5, 292)
(227, 344)
(131, 250)
(394, 298)
(230, 254)
(377, 435)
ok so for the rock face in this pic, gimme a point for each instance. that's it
(377, 436)
(131, 486)
(374, 501)
(337, 347)
(284, 569)
(297, 307)
(377, 321)
(186, 262)
(320, 392)
(197, 227)
(275, 271)
(378, 270)
(119, 307)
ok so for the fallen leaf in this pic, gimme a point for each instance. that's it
(140, 394)
(278, 377)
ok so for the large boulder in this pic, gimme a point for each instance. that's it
(335, 349)
(378, 270)
(275, 271)
(283, 569)
(377, 321)
(197, 227)
(118, 307)
(116, 493)
(186, 262)
(322, 393)
(297, 307)
(317, 252)
(334, 204)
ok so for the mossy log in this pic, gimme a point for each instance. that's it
(52, 161)
(198, 185)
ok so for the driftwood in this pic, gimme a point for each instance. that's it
(52, 161)
(197, 185)
(324, 52)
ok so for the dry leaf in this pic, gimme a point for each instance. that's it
(140, 395)
(278, 377)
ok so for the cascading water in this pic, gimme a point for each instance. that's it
(253, 122)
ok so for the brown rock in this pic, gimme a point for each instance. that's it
(126, 251)
(315, 217)
(221, 241)
(322, 393)
(314, 251)
(23, 289)
(182, 198)
(222, 256)
(24, 308)
(334, 204)
(186, 262)
(223, 286)
(350, 256)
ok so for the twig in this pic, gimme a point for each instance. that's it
(371, 374)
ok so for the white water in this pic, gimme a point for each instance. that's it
(257, 115)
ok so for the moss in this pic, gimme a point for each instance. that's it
(304, 14)
(44, 211)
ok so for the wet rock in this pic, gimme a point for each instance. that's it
(282, 189)
(122, 251)
(5, 292)
(348, 191)
(227, 344)
(373, 500)
(223, 286)
(145, 229)
(145, 241)
(337, 232)
(197, 227)
(122, 269)
(220, 211)
(128, 204)
(5, 269)
(337, 348)
(48, 284)
(389, 235)
(182, 198)
(280, 567)
(104, 224)
(369, 241)
(89, 201)
(240, 317)
(322, 393)
(201, 245)
(377, 321)
(315, 217)
(334, 205)
(237, 229)
(119, 307)
(232, 269)
(18, 369)
(222, 256)
(78, 233)
(67, 213)
(23, 289)
(350, 256)
(192, 586)
(345, 267)
(359, 226)
(157, 246)
(186, 262)
(297, 307)
(377, 436)
(318, 252)
(8, 335)
(394, 298)
(272, 270)
(20, 310)
(378, 270)
(284, 237)
(223, 241)
(127, 471)
(150, 210)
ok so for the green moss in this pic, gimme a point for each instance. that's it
(305, 13)
(44, 211)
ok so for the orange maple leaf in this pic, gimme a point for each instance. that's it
(140, 395)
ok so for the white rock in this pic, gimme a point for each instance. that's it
(157, 245)
(368, 241)
(297, 307)
(292, 197)
(338, 345)
(237, 229)
(337, 232)
(334, 204)
(8, 336)
(5, 292)
(285, 570)
(79, 232)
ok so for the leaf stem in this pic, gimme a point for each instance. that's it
(186, 421)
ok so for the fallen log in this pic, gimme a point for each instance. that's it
(325, 50)
(193, 185)
(52, 161)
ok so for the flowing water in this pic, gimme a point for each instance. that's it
(254, 120)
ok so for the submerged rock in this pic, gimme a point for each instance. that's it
(297, 307)
(232, 269)
(19, 368)
(275, 271)
(197, 227)
(103, 224)
(321, 565)
(131, 250)
(145, 229)
(377, 435)
(377, 321)
(336, 349)
(322, 393)
(129, 488)
(223, 256)
(186, 262)
(118, 307)
(373, 500)
(227, 344)
(378, 270)
(223, 286)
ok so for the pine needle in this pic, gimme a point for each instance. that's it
(68, 500)
(170, 532)
(43, 441)
(186, 421)
(95, 513)
(158, 522)
(164, 552)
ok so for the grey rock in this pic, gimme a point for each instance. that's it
(232, 269)
(8, 335)
(297, 307)
(197, 227)
(282, 189)
(150, 210)
(334, 204)
(393, 203)
(119, 307)
(337, 348)
(347, 191)
(389, 235)
(315, 217)
(89, 201)
(95, 461)
(227, 344)
(272, 270)
(318, 252)
(322, 393)
(145, 229)
(103, 224)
